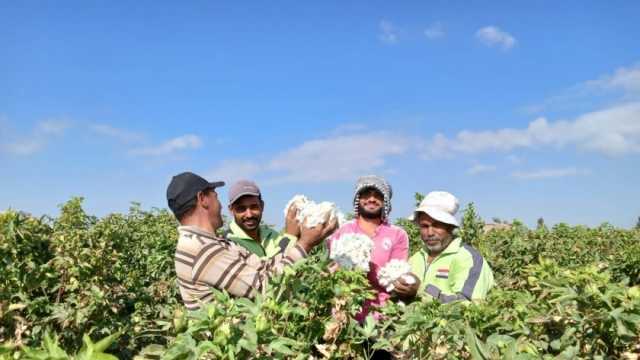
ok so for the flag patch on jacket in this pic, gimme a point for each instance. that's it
(442, 273)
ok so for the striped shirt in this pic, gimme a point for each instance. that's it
(204, 261)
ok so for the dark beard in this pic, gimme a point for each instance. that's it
(370, 215)
(239, 222)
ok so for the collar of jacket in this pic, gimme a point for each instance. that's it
(236, 231)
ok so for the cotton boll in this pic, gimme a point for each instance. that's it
(410, 280)
(314, 213)
(393, 270)
(352, 251)
(319, 212)
(298, 201)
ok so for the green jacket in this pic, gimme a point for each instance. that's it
(271, 242)
(458, 273)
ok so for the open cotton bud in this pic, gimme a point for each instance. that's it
(408, 279)
(392, 271)
(352, 251)
(298, 201)
(314, 213)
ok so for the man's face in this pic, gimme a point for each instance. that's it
(371, 203)
(212, 205)
(247, 212)
(435, 235)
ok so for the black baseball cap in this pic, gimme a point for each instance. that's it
(183, 189)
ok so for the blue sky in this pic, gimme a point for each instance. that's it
(527, 109)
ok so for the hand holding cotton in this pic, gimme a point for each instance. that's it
(394, 270)
(311, 213)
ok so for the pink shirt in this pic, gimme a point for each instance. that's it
(389, 242)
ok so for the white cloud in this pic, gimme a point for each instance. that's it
(514, 159)
(121, 135)
(625, 81)
(52, 127)
(549, 173)
(435, 31)
(613, 131)
(334, 158)
(480, 168)
(388, 33)
(233, 170)
(184, 142)
(494, 36)
(26, 146)
(339, 158)
(41, 135)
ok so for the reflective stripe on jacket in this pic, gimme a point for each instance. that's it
(458, 273)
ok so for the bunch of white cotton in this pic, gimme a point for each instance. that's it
(299, 201)
(314, 213)
(392, 271)
(352, 251)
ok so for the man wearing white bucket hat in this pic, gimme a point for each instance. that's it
(448, 269)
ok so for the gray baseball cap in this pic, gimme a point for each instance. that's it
(241, 188)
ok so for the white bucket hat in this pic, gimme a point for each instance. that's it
(441, 206)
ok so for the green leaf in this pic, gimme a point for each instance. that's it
(103, 356)
(51, 347)
(279, 346)
(14, 307)
(248, 345)
(153, 350)
(104, 343)
(476, 348)
(500, 340)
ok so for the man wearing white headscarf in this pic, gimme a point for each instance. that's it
(448, 270)
(372, 206)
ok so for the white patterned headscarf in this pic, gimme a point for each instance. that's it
(378, 183)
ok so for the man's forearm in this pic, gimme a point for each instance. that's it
(240, 273)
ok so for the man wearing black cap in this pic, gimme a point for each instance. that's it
(246, 207)
(204, 261)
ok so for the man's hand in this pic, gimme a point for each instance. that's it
(291, 224)
(404, 290)
(310, 237)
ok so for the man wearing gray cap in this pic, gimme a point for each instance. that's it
(448, 269)
(246, 205)
(204, 261)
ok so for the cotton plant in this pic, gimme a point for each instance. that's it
(314, 213)
(352, 251)
(393, 270)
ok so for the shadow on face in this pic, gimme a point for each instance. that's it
(208, 201)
